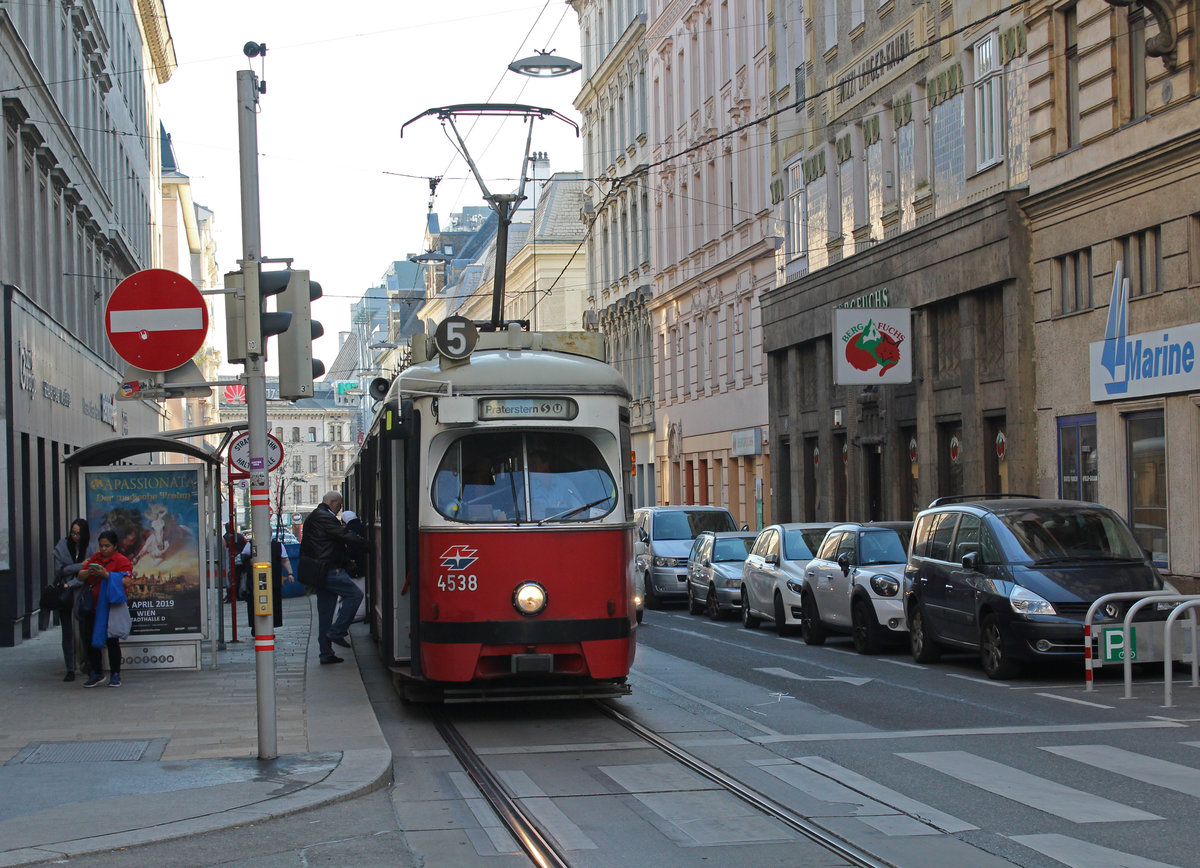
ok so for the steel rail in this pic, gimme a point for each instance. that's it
(527, 834)
(751, 797)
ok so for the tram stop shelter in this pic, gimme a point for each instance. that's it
(167, 519)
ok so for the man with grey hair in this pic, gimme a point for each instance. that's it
(325, 538)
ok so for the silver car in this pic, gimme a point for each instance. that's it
(664, 539)
(853, 585)
(773, 575)
(715, 573)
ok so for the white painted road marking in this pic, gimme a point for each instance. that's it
(1147, 769)
(1081, 854)
(1044, 795)
(784, 673)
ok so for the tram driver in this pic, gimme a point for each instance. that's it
(549, 493)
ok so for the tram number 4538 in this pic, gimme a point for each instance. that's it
(458, 583)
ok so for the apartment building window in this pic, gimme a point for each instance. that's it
(1075, 280)
(312, 435)
(1078, 460)
(945, 334)
(312, 464)
(858, 13)
(312, 494)
(295, 464)
(990, 328)
(1137, 62)
(295, 435)
(797, 236)
(1071, 60)
(296, 491)
(989, 102)
(1142, 255)
(831, 28)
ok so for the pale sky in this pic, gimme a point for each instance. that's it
(336, 186)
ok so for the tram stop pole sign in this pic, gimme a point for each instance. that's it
(156, 320)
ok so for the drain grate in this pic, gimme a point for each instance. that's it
(87, 751)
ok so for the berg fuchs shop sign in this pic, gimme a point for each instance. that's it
(872, 345)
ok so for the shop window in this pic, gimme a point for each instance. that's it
(1146, 462)
(1078, 459)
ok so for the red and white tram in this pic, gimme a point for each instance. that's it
(495, 482)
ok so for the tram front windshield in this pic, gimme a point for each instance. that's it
(523, 476)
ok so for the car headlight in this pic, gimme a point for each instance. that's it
(884, 586)
(733, 581)
(1026, 602)
(529, 599)
(668, 562)
(795, 587)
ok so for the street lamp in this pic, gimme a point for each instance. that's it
(435, 256)
(544, 64)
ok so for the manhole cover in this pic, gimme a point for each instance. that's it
(87, 751)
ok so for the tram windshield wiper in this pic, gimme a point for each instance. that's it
(575, 510)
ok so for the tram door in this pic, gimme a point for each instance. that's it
(400, 473)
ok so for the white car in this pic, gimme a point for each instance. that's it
(854, 585)
(773, 575)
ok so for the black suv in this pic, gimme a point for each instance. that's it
(1014, 577)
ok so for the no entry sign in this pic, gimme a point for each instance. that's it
(156, 319)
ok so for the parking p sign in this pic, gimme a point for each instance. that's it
(1113, 644)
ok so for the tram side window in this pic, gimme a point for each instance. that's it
(538, 476)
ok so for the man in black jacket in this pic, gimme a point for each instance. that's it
(325, 538)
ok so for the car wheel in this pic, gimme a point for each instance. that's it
(712, 606)
(864, 628)
(649, 599)
(811, 629)
(992, 653)
(695, 607)
(749, 620)
(924, 649)
(781, 624)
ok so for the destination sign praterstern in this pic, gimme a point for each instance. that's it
(528, 408)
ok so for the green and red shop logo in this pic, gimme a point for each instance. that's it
(873, 346)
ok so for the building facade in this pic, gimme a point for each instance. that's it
(899, 157)
(712, 252)
(318, 438)
(1114, 211)
(80, 209)
(613, 102)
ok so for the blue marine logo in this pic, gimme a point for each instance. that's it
(458, 557)
(1113, 357)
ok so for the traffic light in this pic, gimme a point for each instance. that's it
(297, 367)
(235, 318)
(278, 321)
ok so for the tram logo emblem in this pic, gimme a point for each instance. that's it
(458, 557)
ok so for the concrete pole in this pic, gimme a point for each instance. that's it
(256, 411)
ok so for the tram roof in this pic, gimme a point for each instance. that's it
(505, 370)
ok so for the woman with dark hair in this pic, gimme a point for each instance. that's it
(69, 555)
(95, 572)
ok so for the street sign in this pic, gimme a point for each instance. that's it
(239, 452)
(156, 320)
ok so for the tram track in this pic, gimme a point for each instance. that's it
(541, 847)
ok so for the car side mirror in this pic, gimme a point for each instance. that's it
(843, 561)
(772, 559)
(642, 535)
(971, 562)
(745, 527)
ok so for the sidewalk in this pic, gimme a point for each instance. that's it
(174, 753)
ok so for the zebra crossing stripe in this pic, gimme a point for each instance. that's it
(1147, 769)
(1026, 789)
(1083, 854)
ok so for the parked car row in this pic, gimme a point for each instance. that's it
(1010, 578)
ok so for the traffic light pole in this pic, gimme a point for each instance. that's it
(256, 417)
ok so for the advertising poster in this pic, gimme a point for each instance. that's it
(155, 512)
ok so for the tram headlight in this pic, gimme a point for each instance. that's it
(529, 599)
